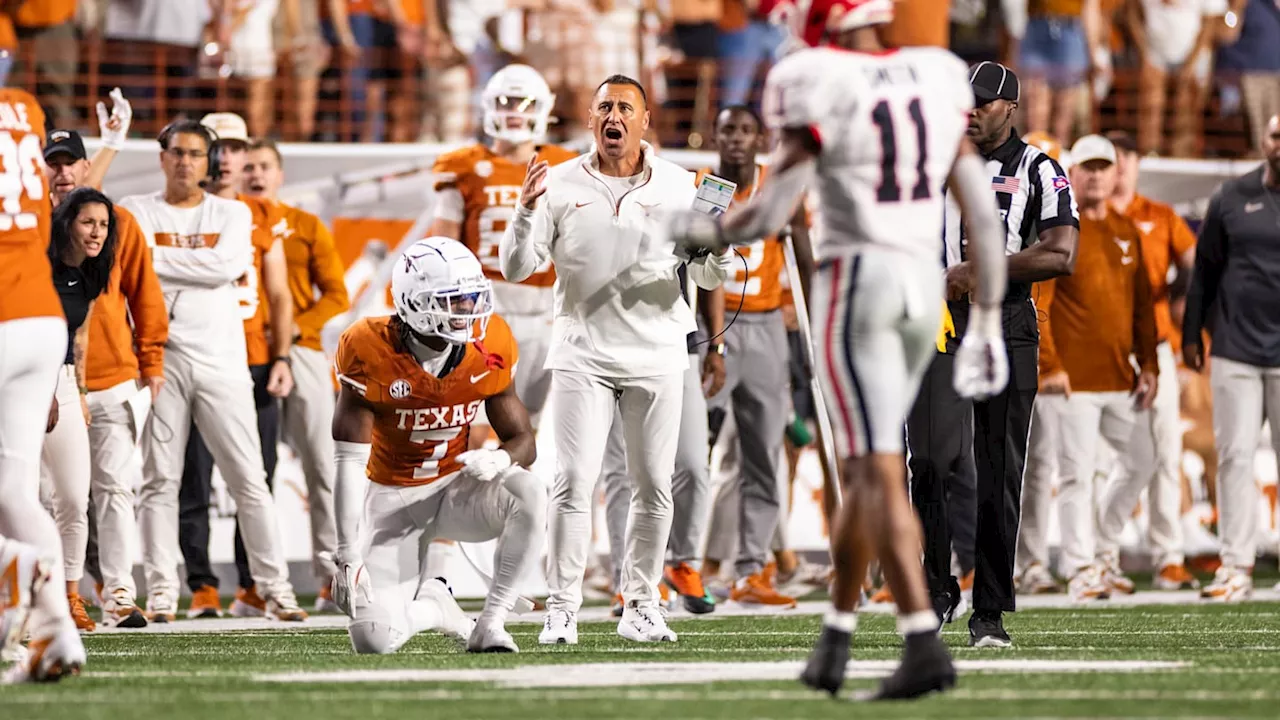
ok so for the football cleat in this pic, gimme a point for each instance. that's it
(560, 627)
(161, 609)
(645, 623)
(79, 615)
(1230, 584)
(48, 659)
(758, 589)
(1175, 577)
(22, 574)
(205, 603)
(1037, 580)
(1087, 585)
(489, 636)
(1114, 579)
(118, 610)
(687, 583)
(284, 607)
(926, 668)
(826, 665)
(248, 604)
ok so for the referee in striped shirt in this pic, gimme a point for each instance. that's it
(945, 432)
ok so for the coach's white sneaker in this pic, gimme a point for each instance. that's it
(1230, 584)
(645, 623)
(24, 573)
(1087, 585)
(49, 659)
(119, 610)
(452, 620)
(490, 636)
(559, 628)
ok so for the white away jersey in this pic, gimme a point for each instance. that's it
(198, 253)
(889, 125)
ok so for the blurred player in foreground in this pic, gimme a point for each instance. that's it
(477, 190)
(412, 385)
(33, 334)
(878, 294)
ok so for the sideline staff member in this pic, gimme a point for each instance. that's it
(1040, 216)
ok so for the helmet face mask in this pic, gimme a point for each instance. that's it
(441, 292)
(517, 105)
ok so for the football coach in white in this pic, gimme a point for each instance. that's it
(618, 337)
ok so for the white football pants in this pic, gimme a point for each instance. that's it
(308, 422)
(1083, 419)
(31, 351)
(399, 524)
(1037, 485)
(1162, 479)
(220, 401)
(1243, 397)
(582, 408)
(64, 464)
(113, 438)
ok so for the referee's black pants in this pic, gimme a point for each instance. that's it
(941, 430)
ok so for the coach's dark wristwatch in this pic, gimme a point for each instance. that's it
(284, 359)
(717, 348)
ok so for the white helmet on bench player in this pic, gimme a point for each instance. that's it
(517, 105)
(439, 290)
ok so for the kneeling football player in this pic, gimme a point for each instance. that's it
(411, 385)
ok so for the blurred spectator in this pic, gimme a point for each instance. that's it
(919, 23)
(1173, 38)
(563, 43)
(152, 46)
(48, 26)
(1251, 57)
(1063, 42)
(457, 34)
(297, 31)
(366, 32)
(251, 54)
(748, 41)
(976, 31)
(694, 39)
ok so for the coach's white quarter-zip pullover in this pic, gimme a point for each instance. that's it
(618, 307)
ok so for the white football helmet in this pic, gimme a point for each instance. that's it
(440, 290)
(519, 93)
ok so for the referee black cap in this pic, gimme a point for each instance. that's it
(993, 81)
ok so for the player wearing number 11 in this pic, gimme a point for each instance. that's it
(877, 132)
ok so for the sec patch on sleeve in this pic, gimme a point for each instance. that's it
(1060, 184)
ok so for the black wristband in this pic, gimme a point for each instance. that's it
(284, 359)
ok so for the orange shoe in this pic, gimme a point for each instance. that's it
(617, 606)
(757, 590)
(1175, 577)
(205, 603)
(248, 604)
(78, 613)
(664, 595)
(966, 582)
(687, 583)
(883, 595)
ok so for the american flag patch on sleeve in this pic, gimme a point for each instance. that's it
(1005, 184)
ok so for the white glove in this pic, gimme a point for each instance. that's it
(114, 127)
(351, 587)
(484, 465)
(695, 233)
(982, 366)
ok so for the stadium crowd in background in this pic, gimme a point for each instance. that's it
(1186, 77)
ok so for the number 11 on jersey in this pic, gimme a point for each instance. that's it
(889, 190)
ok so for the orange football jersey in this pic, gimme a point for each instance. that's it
(421, 422)
(757, 287)
(26, 279)
(253, 297)
(490, 186)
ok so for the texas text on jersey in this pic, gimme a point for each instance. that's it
(421, 422)
(490, 185)
(914, 101)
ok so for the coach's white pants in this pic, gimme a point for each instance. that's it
(308, 428)
(1162, 478)
(113, 438)
(876, 317)
(220, 401)
(31, 351)
(1037, 485)
(64, 464)
(401, 522)
(1082, 420)
(583, 407)
(1243, 396)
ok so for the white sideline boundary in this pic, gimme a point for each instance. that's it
(602, 613)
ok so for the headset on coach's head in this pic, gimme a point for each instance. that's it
(211, 140)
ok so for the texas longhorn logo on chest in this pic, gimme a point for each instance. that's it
(437, 418)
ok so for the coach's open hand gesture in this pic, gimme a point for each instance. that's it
(535, 182)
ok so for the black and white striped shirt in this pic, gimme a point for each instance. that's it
(1034, 195)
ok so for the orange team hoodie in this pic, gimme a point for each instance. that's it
(313, 262)
(117, 351)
